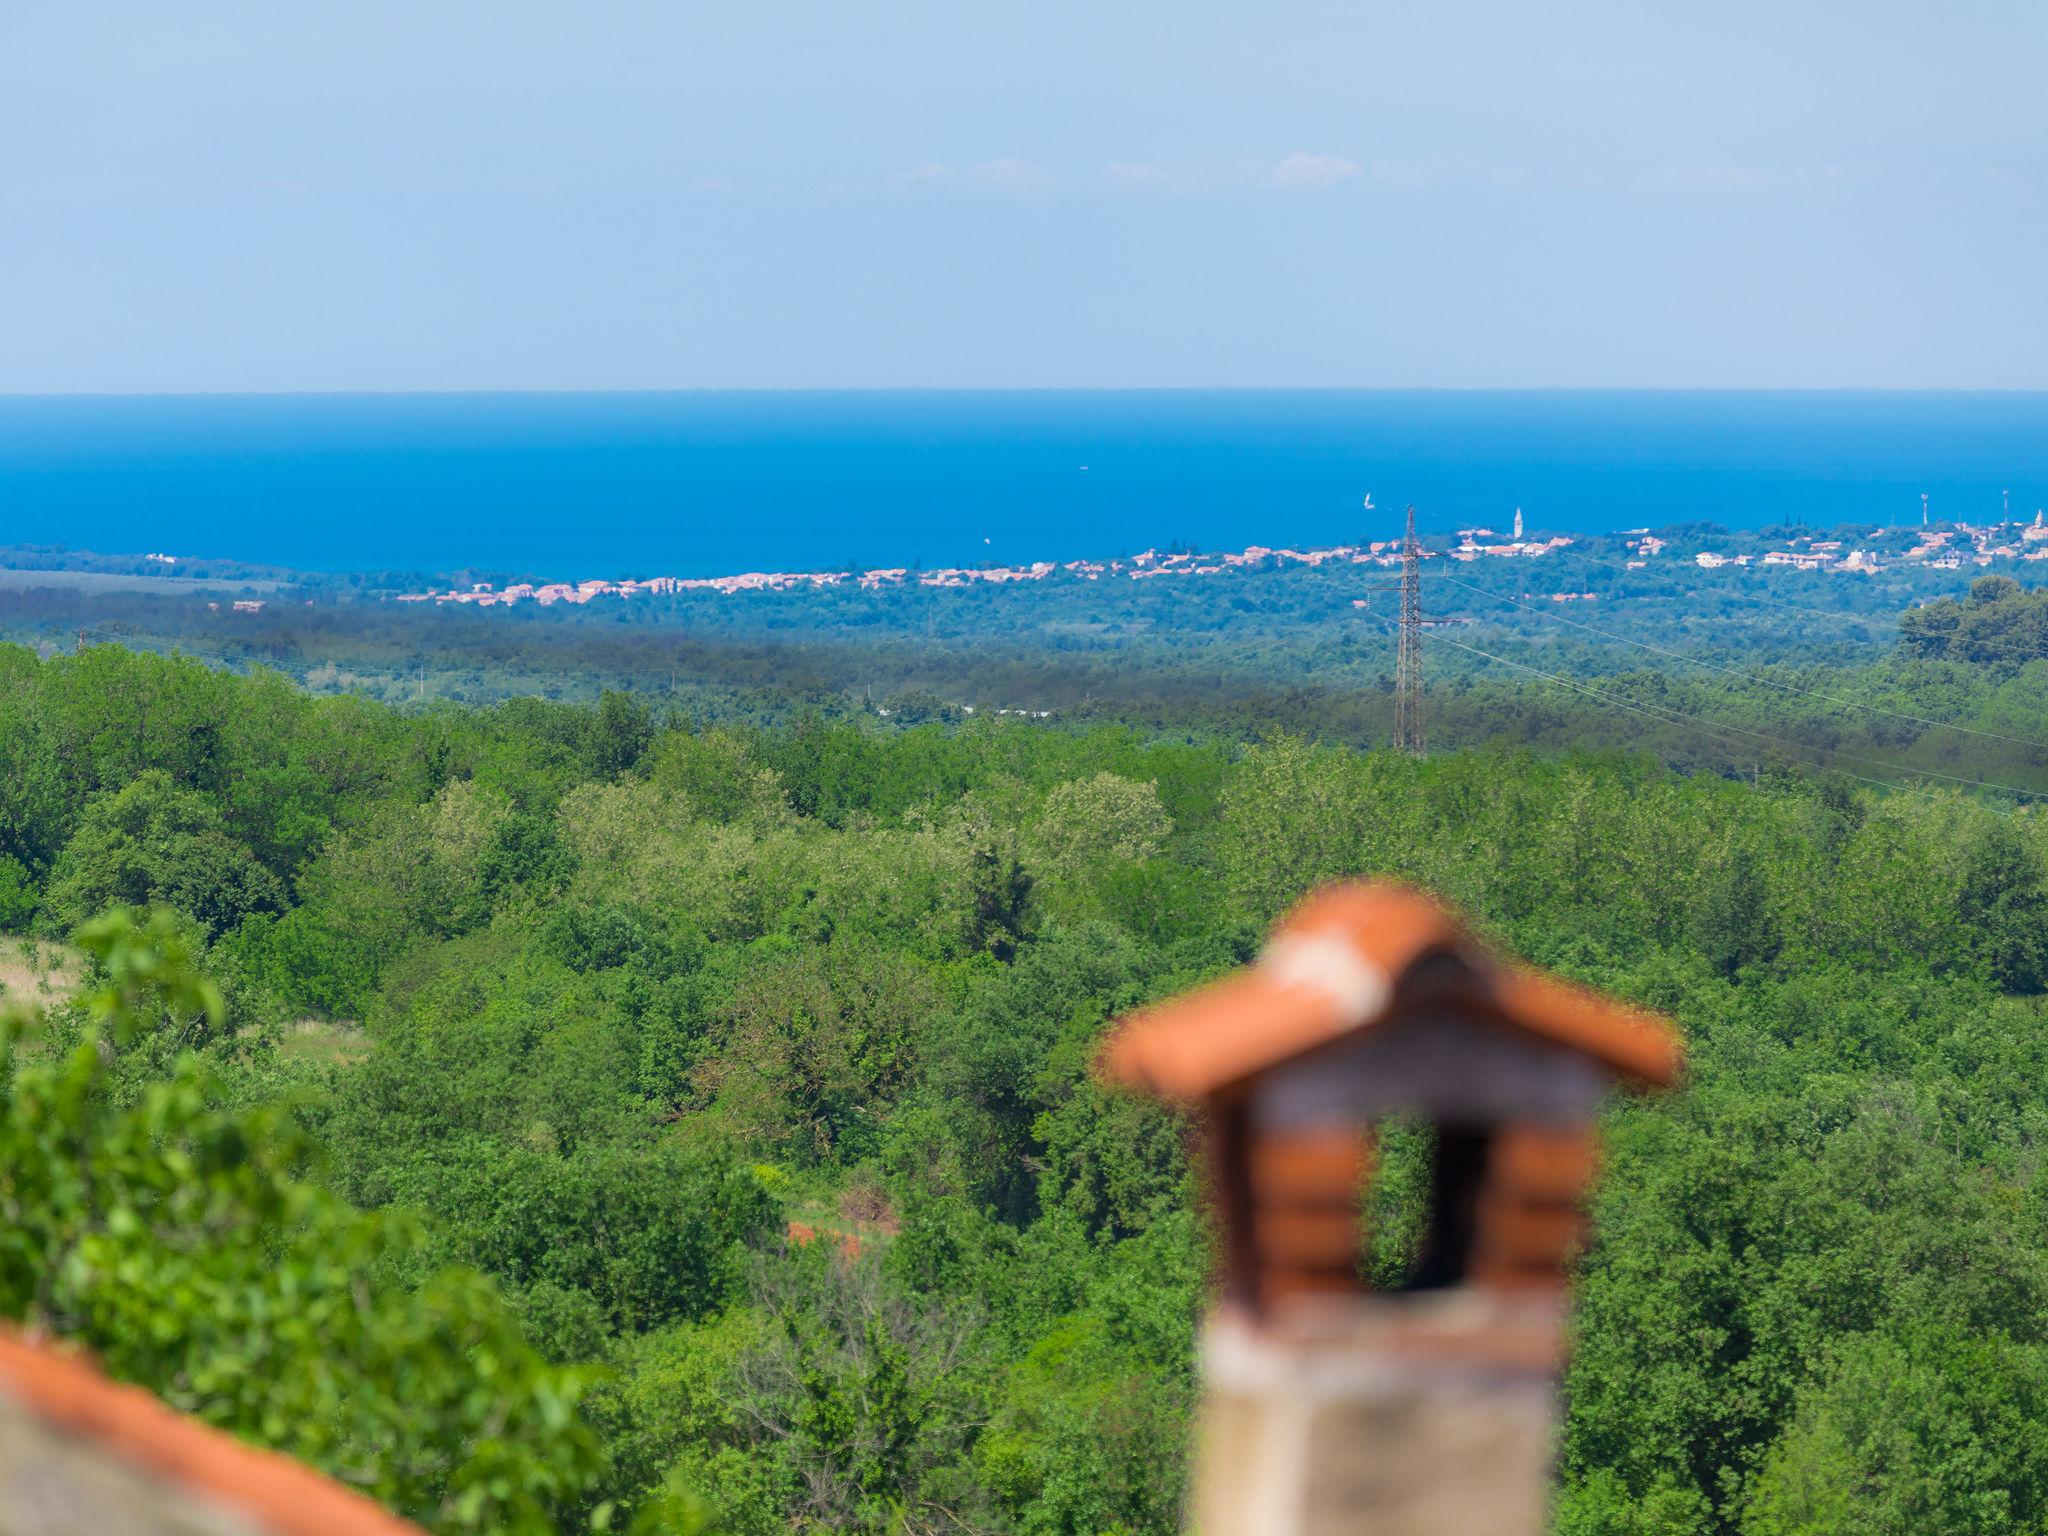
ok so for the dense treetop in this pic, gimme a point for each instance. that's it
(551, 1019)
(1998, 622)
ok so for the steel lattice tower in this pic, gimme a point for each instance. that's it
(1408, 735)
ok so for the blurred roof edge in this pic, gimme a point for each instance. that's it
(65, 1390)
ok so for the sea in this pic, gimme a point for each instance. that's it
(713, 483)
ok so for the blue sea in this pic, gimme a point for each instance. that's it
(710, 483)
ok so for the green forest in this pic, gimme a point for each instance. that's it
(554, 1116)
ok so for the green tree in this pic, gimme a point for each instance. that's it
(2004, 907)
(870, 1400)
(1734, 925)
(183, 1244)
(1932, 1433)
(619, 734)
(153, 842)
(1090, 823)
(18, 896)
(1293, 816)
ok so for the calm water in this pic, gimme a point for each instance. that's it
(708, 483)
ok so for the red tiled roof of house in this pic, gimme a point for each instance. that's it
(277, 1494)
(1336, 964)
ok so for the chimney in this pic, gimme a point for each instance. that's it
(1329, 1405)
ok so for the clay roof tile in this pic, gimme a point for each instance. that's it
(280, 1496)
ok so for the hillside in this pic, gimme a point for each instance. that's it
(636, 996)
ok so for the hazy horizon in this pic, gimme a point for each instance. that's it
(1795, 390)
(224, 198)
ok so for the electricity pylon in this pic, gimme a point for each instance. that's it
(1408, 735)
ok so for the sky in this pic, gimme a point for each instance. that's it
(395, 195)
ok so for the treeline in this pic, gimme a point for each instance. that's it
(351, 622)
(1704, 702)
(750, 1067)
(1997, 623)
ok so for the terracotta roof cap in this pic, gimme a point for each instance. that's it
(1337, 964)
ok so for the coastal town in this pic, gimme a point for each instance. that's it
(1145, 565)
(1951, 546)
(1936, 549)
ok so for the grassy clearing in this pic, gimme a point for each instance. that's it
(38, 971)
(330, 1042)
(857, 1220)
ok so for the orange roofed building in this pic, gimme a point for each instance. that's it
(1325, 1397)
(81, 1455)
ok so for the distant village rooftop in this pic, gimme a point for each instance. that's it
(1936, 548)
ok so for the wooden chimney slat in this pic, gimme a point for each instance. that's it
(1320, 1239)
(1537, 1162)
(1514, 1235)
(1312, 1169)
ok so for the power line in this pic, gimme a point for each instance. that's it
(1747, 676)
(1666, 715)
(1822, 757)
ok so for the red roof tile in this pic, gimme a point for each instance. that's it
(286, 1497)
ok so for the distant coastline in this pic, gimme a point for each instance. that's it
(1947, 548)
(699, 485)
(1838, 553)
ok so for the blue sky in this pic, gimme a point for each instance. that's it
(435, 194)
